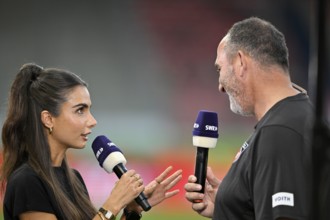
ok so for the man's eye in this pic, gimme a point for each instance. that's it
(218, 68)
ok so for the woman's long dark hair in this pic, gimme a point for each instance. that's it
(24, 139)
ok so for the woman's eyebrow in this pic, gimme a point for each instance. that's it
(80, 105)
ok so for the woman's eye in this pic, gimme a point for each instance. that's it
(80, 111)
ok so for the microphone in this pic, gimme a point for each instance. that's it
(112, 159)
(205, 136)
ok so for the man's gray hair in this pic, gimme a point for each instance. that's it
(261, 40)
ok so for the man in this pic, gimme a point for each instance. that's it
(270, 176)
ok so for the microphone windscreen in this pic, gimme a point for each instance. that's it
(206, 124)
(107, 153)
(205, 132)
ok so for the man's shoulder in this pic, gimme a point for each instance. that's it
(294, 112)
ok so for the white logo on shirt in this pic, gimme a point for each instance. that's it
(243, 148)
(283, 198)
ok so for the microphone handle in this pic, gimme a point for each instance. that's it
(119, 170)
(201, 166)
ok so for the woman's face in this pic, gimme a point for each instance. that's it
(75, 121)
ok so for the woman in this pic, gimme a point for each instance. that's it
(48, 113)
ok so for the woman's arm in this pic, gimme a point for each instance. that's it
(37, 215)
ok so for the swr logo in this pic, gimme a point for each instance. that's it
(211, 128)
(110, 144)
(99, 152)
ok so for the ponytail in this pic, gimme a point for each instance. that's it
(14, 131)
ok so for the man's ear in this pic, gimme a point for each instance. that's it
(241, 63)
(47, 119)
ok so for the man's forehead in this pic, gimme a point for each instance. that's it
(222, 43)
(224, 39)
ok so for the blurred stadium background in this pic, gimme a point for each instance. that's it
(150, 69)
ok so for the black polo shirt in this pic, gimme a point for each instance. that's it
(271, 175)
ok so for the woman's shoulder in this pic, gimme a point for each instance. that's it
(23, 174)
(24, 183)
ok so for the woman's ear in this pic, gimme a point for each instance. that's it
(47, 119)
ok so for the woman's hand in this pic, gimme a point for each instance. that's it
(129, 186)
(158, 189)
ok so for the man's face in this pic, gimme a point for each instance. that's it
(230, 83)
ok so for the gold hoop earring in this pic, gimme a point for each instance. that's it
(50, 130)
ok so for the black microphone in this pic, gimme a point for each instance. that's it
(111, 159)
(205, 136)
